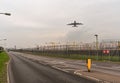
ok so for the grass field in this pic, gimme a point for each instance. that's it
(3, 67)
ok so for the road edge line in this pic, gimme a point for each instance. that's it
(8, 78)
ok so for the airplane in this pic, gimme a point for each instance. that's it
(75, 24)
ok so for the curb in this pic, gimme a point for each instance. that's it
(89, 77)
(92, 78)
(79, 74)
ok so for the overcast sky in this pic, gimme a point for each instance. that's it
(35, 22)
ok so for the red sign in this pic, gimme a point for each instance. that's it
(106, 51)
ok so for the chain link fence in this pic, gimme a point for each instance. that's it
(80, 51)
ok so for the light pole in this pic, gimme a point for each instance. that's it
(96, 45)
(8, 14)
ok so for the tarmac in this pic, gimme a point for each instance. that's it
(103, 72)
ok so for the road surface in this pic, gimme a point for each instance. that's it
(73, 65)
(23, 70)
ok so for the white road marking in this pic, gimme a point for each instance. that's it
(59, 69)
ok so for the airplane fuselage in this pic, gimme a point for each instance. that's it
(75, 24)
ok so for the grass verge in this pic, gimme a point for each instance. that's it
(79, 57)
(3, 67)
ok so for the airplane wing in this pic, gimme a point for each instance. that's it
(71, 24)
(79, 23)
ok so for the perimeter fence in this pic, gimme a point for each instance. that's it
(108, 50)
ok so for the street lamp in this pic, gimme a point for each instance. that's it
(8, 14)
(96, 45)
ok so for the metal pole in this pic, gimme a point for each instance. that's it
(96, 45)
(119, 49)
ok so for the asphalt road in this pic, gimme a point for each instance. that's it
(72, 66)
(23, 70)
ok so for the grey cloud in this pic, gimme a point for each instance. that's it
(39, 20)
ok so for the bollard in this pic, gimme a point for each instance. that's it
(89, 61)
